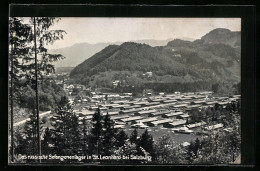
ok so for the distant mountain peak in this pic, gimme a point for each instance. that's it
(187, 39)
(222, 36)
(134, 44)
(220, 30)
(179, 42)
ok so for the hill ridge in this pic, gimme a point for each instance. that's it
(178, 61)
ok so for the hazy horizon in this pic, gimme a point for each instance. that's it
(113, 42)
(95, 30)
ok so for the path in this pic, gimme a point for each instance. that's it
(25, 120)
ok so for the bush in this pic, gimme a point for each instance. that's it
(44, 119)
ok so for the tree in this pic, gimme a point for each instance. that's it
(95, 139)
(18, 33)
(121, 138)
(85, 137)
(22, 61)
(45, 36)
(238, 107)
(25, 66)
(237, 88)
(27, 139)
(18, 36)
(229, 108)
(215, 88)
(75, 91)
(47, 142)
(146, 141)
(234, 106)
(217, 107)
(196, 146)
(127, 150)
(164, 150)
(220, 142)
(133, 137)
(66, 130)
(108, 135)
(195, 116)
(190, 153)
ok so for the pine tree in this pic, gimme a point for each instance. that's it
(234, 107)
(146, 142)
(19, 34)
(190, 152)
(22, 60)
(66, 130)
(23, 40)
(47, 142)
(121, 138)
(196, 147)
(85, 137)
(44, 37)
(133, 137)
(108, 135)
(229, 108)
(27, 139)
(95, 138)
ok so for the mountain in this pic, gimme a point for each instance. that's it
(179, 61)
(79, 52)
(222, 36)
(60, 70)
(153, 42)
(128, 56)
(187, 38)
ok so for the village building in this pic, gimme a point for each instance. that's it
(195, 125)
(145, 112)
(159, 113)
(213, 127)
(139, 125)
(159, 122)
(131, 119)
(174, 123)
(172, 114)
(181, 106)
(130, 111)
(113, 113)
(184, 116)
(131, 107)
(118, 117)
(146, 120)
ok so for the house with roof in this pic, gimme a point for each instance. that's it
(144, 112)
(159, 122)
(174, 123)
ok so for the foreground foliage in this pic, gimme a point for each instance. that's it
(100, 138)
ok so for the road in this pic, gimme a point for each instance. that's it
(23, 121)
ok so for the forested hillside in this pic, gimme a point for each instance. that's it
(79, 52)
(178, 62)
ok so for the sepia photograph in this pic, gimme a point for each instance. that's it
(124, 91)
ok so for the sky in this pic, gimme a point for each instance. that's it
(98, 30)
